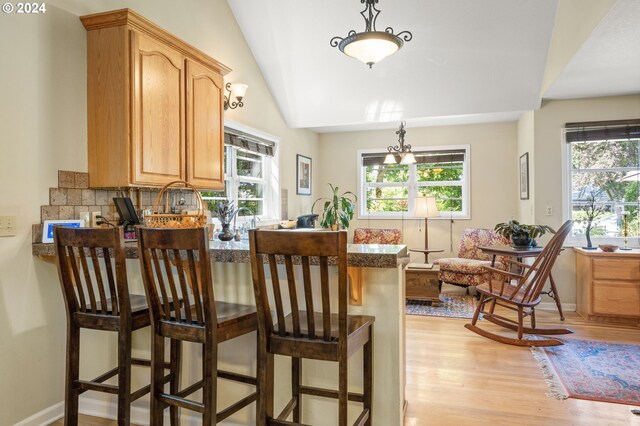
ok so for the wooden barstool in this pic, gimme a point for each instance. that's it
(93, 275)
(306, 333)
(170, 260)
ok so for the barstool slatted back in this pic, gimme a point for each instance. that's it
(176, 265)
(93, 276)
(313, 333)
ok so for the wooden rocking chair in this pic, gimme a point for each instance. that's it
(522, 297)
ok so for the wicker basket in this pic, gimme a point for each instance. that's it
(171, 220)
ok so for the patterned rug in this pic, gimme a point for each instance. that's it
(597, 371)
(451, 306)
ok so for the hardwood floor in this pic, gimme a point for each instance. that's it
(455, 377)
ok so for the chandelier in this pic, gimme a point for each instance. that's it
(371, 46)
(402, 150)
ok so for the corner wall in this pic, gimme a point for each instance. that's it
(43, 109)
(548, 125)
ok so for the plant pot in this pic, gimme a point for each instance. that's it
(522, 240)
(226, 234)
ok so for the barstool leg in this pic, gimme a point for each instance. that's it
(175, 362)
(296, 378)
(264, 404)
(210, 376)
(367, 355)
(157, 373)
(73, 373)
(342, 390)
(124, 376)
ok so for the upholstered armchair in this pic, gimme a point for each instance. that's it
(377, 236)
(368, 236)
(467, 269)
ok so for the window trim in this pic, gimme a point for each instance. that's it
(579, 241)
(271, 172)
(413, 185)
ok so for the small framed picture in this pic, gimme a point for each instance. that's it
(47, 228)
(524, 176)
(303, 175)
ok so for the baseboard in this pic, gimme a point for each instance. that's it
(551, 306)
(44, 417)
(106, 410)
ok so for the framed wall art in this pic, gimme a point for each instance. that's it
(524, 176)
(303, 175)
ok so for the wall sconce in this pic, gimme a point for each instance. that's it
(404, 151)
(237, 90)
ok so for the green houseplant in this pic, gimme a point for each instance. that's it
(338, 210)
(522, 235)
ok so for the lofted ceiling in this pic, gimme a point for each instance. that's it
(469, 61)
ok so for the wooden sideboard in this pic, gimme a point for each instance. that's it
(608, 285)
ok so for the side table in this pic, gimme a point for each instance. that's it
(422, 283)
(426, 252)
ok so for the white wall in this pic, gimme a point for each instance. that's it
(43, 110)
(493, 177)
(526, 208)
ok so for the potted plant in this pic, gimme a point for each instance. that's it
(225, 212)
(522, 235)
(338, 210)
(592, 211)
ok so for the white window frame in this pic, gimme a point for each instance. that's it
(270, 179)
(567, 205)
(413, 185)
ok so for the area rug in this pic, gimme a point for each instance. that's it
(597, 371)
(451, 306)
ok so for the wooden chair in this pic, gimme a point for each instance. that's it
(93, 276)
(170, 260)
(307, 333)
(522, 297)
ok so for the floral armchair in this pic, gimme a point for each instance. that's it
(467, 269)
(377, 236)
(368, 236)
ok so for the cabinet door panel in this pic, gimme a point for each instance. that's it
(616, 298)
(204, 127)
(158, 104)
(616, 269)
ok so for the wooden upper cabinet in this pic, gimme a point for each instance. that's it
(205, 97)
(158, 132)
(155, 106)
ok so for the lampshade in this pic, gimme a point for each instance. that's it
(370, 48)
(238, 90)
(408, 158)
(426, 207)
(389, 159)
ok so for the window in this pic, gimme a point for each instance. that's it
(604, 170)
(248, 167)
(388, 190)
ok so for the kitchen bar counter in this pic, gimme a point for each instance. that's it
(360, 255)
(382, 296)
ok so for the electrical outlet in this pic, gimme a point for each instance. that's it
(549, 210)
(94, 219)
(7, 226)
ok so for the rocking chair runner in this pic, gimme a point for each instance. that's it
(522, 298)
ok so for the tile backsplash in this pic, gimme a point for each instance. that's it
(73, 196)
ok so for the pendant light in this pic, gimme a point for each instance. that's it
(404, 151)
(371, 46)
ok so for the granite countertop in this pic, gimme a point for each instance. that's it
(359, 255)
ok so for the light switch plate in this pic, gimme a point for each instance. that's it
(7, 226)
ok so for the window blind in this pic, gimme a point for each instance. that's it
(602, 130)
(248, 142)
(422, 157)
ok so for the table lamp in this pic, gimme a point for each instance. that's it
(426, 207)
